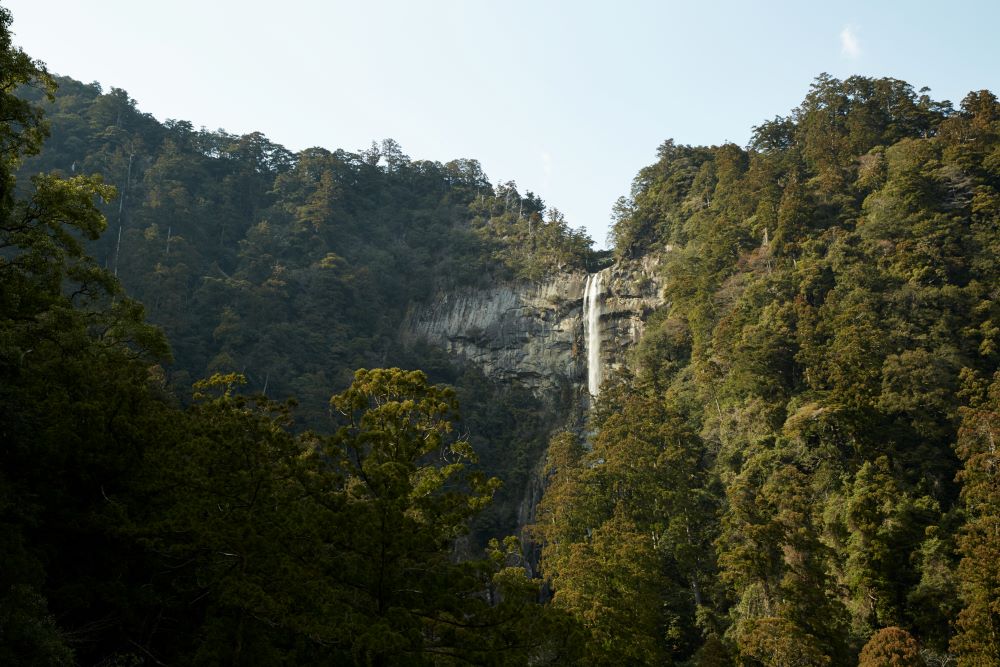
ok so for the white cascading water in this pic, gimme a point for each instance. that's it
(592, 322)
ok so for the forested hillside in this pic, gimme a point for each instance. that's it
(291, 268)
(797, 467)
(295, 269)
(802, 459)
(141, 523)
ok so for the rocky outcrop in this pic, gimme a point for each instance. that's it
(533, 333)
(632, 290)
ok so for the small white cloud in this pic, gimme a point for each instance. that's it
(849, 44)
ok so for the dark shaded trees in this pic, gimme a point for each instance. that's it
(317, 549)
(79, 395)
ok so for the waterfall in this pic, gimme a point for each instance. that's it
(592, 330)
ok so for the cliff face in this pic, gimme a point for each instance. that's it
(631, 291)
(534, 334)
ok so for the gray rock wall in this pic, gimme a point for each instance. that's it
(533, 333)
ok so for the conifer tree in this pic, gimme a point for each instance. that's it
(977, 642)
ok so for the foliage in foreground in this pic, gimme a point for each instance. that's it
(800, 467)
(136, 531)
(295, 269)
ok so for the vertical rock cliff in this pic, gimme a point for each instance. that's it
(536, 334)
(558, 338)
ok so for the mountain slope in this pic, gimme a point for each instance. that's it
(781, 461)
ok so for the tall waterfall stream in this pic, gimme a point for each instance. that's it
(592, 325)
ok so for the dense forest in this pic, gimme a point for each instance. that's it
(797, 467)
(294, 270)
(801, 462)
(148, 522)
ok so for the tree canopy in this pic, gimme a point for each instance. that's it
(797, 465)
(795, 462)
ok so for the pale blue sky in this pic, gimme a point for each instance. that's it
(567, 98)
